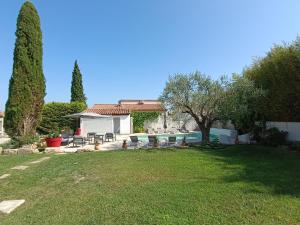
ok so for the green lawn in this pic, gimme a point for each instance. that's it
(236, 185)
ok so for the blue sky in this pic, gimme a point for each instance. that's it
(128, 48)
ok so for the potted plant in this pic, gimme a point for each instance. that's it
(124, 145)
(183, 143)
(53, 139)
(97, 145)
(156, 143)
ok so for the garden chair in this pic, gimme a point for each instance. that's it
(99, 138)
(91, 137)
(109, 136)
(153, 141)
(135, 141)
(66, 139)
(171, 140)
(78, 140)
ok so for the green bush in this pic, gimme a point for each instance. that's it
(53, 116)
(274, 137)
(139, 119)
(18, 142)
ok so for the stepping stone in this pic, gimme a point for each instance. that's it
(4, 176)
(40, 160)
(20, 168)
(10, 205)
(79, 179)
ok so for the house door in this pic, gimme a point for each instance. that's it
(116, 125)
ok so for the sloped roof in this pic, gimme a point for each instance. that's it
(125, 109)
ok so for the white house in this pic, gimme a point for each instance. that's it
(119, 120)
(1, 124)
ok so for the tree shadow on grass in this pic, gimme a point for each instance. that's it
(277, 169)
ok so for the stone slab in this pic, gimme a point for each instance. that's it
(10, 205)
(53, 150)
(40, 160)
(20, 168)
(4, 176)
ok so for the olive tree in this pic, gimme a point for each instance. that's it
(242, 103)
(197, 95)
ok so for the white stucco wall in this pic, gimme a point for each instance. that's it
(98, 125)
(104, 125)
(125, 124)
(159, 124)
(293, 129)
(1, 127)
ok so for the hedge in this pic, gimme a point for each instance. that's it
(53, 116)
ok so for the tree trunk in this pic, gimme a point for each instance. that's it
(204, 125)
(205, 134)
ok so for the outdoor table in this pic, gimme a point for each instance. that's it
(99, 137)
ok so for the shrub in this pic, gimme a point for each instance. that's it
(274, 137)
(53, 116)
(140, 117)
(20, 141)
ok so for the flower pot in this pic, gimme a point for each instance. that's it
(53, 142)
(124, 145)
(97, 146)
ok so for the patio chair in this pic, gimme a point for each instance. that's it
(135, 141)
(91, 137)
(109, 136)
(171, 140)
(78, 140)
(99, 138)
(66, 139)
(152, 141)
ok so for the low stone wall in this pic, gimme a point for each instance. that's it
(25, 150)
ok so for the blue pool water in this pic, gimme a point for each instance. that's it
(190, 137)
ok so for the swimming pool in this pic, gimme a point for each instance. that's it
(190, 137)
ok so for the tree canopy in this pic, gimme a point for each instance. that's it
(27, 84)
(279, 74)
(242, 103)
(197, 95)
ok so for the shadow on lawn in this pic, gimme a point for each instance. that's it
(278, 170)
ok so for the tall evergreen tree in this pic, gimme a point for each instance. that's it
(27, 84)
(77, 92)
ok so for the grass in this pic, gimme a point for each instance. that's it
(235, 185)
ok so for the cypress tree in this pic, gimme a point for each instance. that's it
(77, 92)
(27, 84)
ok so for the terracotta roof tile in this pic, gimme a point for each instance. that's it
(124, 109)
(107, 111)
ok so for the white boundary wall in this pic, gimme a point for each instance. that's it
(293, 129)
(1, 127)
